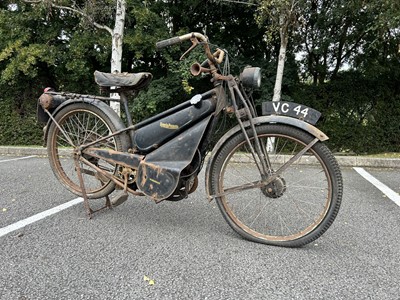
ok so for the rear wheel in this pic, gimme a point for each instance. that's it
(82, 123)
(294, 209)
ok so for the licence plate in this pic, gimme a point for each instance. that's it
(291, 109)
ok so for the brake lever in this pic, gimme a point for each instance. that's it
(195, 43)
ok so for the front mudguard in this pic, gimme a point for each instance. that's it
(258, 121)
(115, 119)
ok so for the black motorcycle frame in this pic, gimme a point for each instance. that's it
(166, 152)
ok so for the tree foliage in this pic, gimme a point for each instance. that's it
(343, 58)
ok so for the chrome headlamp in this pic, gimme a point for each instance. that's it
(251, 77)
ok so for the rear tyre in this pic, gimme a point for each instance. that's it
(293, 210)
(83, 123)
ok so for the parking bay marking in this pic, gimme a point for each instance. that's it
(392, 195)
(38, 217)
(21, 224)
(19, 158)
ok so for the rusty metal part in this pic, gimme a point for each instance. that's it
(215, 58)
(196, 69)
(263, 183)
(202, 39)
(125, 173)
(219, 56)
(66, 136)
(195, 42)
(241, 113)
(127, 160)
(89, 210)
(194, 184)
(218, 76)
(276, 188)
(112, 177)
(45, 101)
(319, 135)
(230, 110)
(51, 100)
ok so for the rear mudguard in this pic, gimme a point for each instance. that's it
(258, 121)
(115, 119)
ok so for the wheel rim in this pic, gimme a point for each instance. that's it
(82, 126)
(288, 214)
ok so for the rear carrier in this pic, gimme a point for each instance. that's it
(50, 100)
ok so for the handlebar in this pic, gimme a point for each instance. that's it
(168, 42)
(179, 39)
(196, 38)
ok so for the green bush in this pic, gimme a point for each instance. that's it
(18, 125)
(359, 114)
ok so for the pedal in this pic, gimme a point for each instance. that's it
(119, 199)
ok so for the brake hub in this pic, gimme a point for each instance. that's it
(275, 189)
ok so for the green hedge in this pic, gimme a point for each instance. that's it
(360, 114)
(18, 125)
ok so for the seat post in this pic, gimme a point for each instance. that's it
(124, 100)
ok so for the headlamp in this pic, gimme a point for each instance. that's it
(251, 77)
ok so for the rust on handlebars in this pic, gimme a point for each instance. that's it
(219, 56)
(197, 38)
(204, 40)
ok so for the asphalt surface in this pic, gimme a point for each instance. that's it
(185, 250)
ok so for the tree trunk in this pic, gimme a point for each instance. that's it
(284, 35)
(281, 61)
(117, 41)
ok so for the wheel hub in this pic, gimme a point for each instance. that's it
(275, 189)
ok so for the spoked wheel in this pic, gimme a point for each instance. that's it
(82, 123)
(297, 207)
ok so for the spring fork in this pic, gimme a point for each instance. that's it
(266, 164)
(262, 157)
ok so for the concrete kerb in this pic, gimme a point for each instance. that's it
(345, 161)
(362, 161)
(23, 151)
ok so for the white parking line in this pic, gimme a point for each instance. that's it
(38, 217)
(384, 188)
(19, 158)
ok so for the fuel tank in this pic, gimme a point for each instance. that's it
(155, 134)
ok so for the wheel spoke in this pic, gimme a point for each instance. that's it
(292, 202)
(82, 124)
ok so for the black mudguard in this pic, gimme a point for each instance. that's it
(258, 121)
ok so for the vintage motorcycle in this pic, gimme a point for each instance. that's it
(272, 177)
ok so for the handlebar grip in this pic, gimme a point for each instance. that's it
(168, 42)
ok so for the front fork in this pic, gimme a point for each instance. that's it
(258, 151)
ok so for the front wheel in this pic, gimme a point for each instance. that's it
(294, 209)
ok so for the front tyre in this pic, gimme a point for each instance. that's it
(83, 123)
(293, 210)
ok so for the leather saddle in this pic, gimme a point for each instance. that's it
(134, 81)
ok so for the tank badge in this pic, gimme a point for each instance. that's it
(168, 126)
(155, 181)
